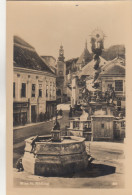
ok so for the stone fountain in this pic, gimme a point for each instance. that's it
(55, 155)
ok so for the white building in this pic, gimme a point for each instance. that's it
(34, 85)
(112, 74)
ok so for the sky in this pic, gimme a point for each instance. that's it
(47, 25)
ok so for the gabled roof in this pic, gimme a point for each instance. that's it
(18, 40)
(116, 61)
(115, 68)
(48, 57)
(71, 61)
(25, 56)
(52, 68)
(88, 70)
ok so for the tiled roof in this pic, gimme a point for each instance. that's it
(114, 70)
(21, 42)
(115, 67)
(116, 61)
(25, 56)
(52, 68)
(89, 70)
(45, 57)
(70, 61)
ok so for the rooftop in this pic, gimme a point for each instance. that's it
(85, 57)
(25, 56)
(115, 67)
(88, 70)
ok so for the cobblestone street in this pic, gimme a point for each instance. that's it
(107, 170)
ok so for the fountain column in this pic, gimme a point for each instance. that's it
(55, 133)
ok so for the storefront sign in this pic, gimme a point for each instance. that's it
(21, 105)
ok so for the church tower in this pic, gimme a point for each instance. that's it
(84, 58)
(61, 76)
(61, 66)
(61, 54)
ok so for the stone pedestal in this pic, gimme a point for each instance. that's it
(56, 135)
(56, 158)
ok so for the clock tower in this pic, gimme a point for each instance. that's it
(61, 54)
(61, 66)
(61, 76)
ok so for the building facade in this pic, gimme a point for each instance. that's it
(34, 92)
(34, 85)
(113, 75)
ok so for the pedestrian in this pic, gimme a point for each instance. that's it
(19, 165)
(23, 120)
(112, 94)
(61, 113)
(33, 143)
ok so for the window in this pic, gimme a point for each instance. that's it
(40, 90)
(33, 90)
(14, 90)
(58, 92)
(46, 89)
(123, 124)
(102, 125)
(60, 73)
(23, 90)
(110, 86)
(119, 85)
(54, 89)
(76, 124)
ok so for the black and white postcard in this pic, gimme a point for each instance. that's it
(68, 78)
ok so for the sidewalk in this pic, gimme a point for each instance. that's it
(34, 124)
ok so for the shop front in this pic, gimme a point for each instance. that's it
(20, 113)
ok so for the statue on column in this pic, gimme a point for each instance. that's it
(56, 125)
(97, 41)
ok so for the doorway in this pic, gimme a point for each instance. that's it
(33, 114)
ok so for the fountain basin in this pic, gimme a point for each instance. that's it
(55, 158)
